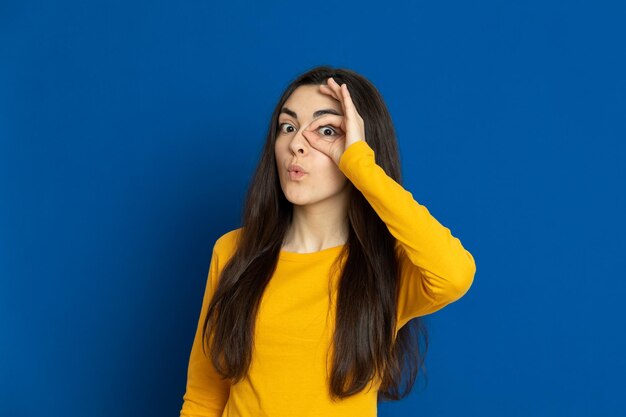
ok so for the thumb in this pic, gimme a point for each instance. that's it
(316, 142)
(330, 149)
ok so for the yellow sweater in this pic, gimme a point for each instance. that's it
(295, 323)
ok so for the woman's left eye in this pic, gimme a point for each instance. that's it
(326, 129)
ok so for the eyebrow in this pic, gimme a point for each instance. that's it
(316, 114)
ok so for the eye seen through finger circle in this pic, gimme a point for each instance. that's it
(326, 129)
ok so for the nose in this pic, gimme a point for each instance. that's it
(299, 144)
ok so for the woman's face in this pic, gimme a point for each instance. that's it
(322, 181)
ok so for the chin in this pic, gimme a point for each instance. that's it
(297, 201)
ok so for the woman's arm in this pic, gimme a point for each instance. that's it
(206, 394)
(435, 269)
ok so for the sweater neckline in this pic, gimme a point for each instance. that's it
(310, 256)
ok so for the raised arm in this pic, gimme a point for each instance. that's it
(435, 269)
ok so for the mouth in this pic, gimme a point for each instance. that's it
(295, 175)
(296, 169)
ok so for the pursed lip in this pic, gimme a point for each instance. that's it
(294, 168)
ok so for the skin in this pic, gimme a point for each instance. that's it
(319, 198)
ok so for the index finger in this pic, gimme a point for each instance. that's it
(350, 109)
(344, 97)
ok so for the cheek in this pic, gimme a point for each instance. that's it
(333, 177)
(278, 153)
(281, 147)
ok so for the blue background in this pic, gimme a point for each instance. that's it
(129, 131)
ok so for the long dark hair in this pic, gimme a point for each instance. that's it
(365, 342)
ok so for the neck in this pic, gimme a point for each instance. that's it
(316, 228)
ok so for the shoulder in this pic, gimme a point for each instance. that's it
(223, 250)
(226, 244)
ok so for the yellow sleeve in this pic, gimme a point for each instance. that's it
(435, 269)
(206, 394)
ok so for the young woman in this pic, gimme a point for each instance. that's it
(312, 307)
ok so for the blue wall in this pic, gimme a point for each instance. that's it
(129, 131)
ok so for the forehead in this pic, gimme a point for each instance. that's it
(306, 99)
